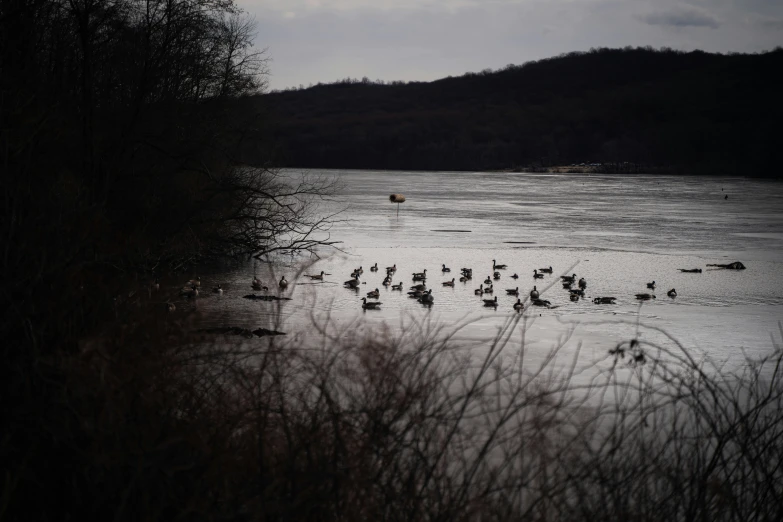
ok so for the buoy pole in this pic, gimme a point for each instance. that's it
(398, 211)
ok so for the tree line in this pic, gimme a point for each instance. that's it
(690, 112)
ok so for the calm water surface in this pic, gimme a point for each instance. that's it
(618, 232)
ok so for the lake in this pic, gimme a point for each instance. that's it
(619, 232)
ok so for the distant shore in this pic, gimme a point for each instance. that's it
(599, 168)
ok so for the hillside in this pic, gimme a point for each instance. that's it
(661, 110)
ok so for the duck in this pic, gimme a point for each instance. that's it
(374, 268)
(512, 291)
(392, 268)
(574, 297)
(672, 293)
(568, 279)
(536, 275)
(604, 300)
(448, 283)
(518, 305)
(352, 283)
(495, 266)
(374, 294)
(491, 302)
(515, 276)
(397, 287)
(645, 297)
(370, 306)
(545, 270)
(496, 276)
(283, 283)
(582, 283)
(479, 290)
(534, 293)
(218, 290)
(445, 268)
(651, 286)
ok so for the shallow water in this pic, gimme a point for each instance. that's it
(618, 232)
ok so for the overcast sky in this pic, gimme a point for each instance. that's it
(325, 40)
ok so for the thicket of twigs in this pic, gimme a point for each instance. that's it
(148, 423)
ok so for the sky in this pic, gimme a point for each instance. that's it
(311, 41)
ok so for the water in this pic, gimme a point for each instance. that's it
(618, 232)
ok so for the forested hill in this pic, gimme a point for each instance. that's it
(685, 112)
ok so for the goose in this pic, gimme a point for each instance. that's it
(359, 270)
(427, 298)
(512, 291)
(352, 283)
(356, 273)
(515, 276)
(604, 300)
(218, 290)
(445, 268)
(496, 276)
(156, 284)
(419, 276)
(568, 286)
(518, 305)
(194, 282)
(490, 289)
(534, 293)
(545, 270)
(416, 293)
(479, 290)
(464, 279)
(568, 279)
(491, 302)
(541, 302)
(672, 293)
(449, 283)
(397, 287)
(191, 292)
(319, 277)
(374, 294)
(498, 267)
(256, 285)
(370, 306)
(386, 281)
(374, 268)
(283, 283)
(577, 291)
(392, 268)
(488, 281)
(467, 272)
(651, 286)
(170, 307)
(645, 297)
(420, 286)
(574, 297)
(690, 270)
(536, 275)
(582, 283)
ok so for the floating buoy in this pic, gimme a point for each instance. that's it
(397, 198)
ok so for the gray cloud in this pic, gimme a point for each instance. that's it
(682, 17)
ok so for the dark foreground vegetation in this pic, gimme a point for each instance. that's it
(121, 126)
(632, 110)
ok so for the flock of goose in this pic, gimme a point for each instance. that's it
(420, 292)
